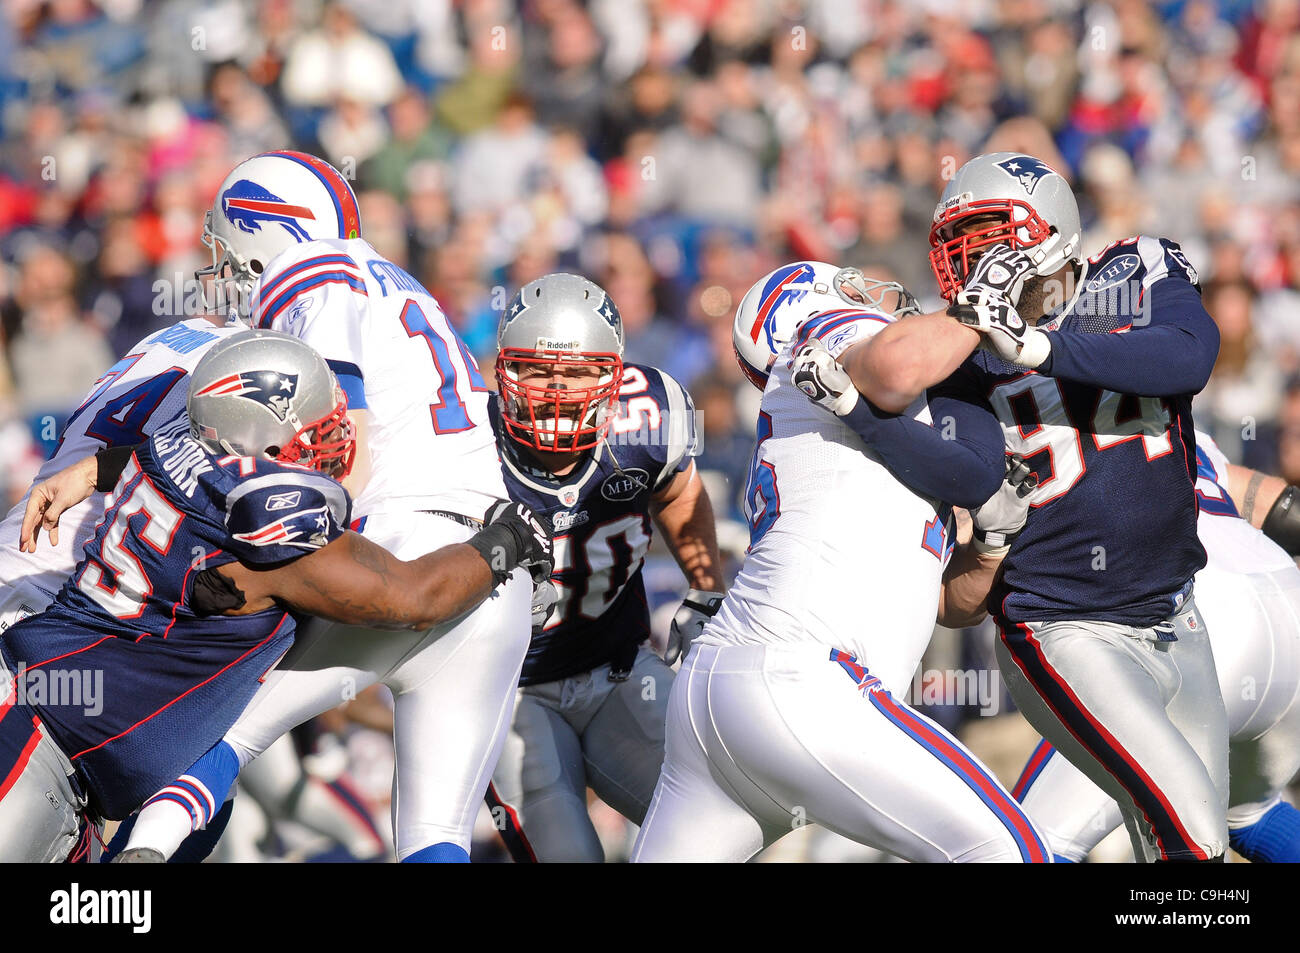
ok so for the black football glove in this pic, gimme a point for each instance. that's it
(512, 535)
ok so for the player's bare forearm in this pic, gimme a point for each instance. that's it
(684, 515)
(1254, 493)
(355, 581)
(963, 598)
(896, 365)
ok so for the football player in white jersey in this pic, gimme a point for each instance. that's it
(787, 709)
(135, 396)
(1249, 593)
(285, 235)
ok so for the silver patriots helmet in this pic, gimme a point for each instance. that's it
(559, 363)
(1003, 198)
(266, 394)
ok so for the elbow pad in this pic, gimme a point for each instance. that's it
(1282, 525)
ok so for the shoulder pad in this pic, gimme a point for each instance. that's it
(286, 287)
(283, 513)
(656, 417)
(1143, 258)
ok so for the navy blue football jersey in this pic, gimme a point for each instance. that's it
(130, 683)
(600, 517)
(1106, 423)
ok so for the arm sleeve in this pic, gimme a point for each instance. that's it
(281, 516)
(1169, 350)
(109, 464)
(959, 459)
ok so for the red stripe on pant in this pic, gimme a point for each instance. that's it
(1059, 685)
(962, 764)
(512, 834)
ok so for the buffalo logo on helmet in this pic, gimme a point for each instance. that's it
(248, 206)
(274, 390)
(1027, 169)
(779, 289)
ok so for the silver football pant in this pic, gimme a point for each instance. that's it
(1141, 717)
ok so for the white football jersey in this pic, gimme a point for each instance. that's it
(841, 553)
(1230, 542)
(134, 397)
(392, 349)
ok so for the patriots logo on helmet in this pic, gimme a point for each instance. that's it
(274, 390)
(306, 529)
(1027, 169)
(609, 312)
(779, 290)
(248, 206)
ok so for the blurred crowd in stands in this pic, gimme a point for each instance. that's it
(671, 150)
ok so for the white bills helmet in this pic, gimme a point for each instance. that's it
(781, 300)
(265, 205)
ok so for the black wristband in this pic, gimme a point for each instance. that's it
(1282, 524)
(993, 539)
(109, 464)
(500, 547)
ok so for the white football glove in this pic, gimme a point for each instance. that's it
(1002, 270)
(821, 378)
(999, 520)
(545, 595)
(696, 610)
(987, 302)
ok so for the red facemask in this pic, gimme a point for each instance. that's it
(557, 419)
(951, 258)
(328, 445)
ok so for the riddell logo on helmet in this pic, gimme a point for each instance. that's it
(248, 205)
(556, 344)
(956, 201)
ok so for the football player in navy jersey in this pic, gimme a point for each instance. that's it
(222, 527)
(602, 449)
(1090, 367)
